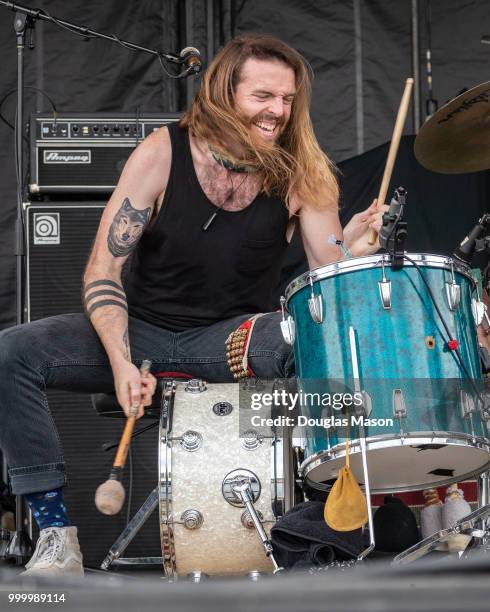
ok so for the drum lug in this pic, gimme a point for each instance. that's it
(288, 327)
(384, 288)
(467, 404)
(195, 385)
(315, 304)
(453, 291)
(479, 310)
(197, 576)
(366, 407)
(251, 440)
(191, 519)
(190, 440)
(399, 408)
(247, 520)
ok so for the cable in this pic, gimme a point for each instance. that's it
(12, 91)
(67, 28)
(164, 68)
(113, 37)
(446, 327)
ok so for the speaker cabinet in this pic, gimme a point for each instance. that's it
(60, 237)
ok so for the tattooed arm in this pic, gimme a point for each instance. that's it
(129, 211)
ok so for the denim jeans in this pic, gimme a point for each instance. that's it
(64, 352)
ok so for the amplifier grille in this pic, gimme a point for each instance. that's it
(55, 270)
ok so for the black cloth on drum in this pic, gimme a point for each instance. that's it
(302, 539)
(183, 277)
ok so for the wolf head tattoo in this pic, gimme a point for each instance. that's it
(126, 228)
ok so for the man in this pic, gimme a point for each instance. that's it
(205, 209)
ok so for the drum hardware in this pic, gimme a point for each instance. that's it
(167, 404)
(453, 291)
(237, 477)
(245, 494)
(366, 408)
(195, 385)
(123, 541)
(255, 576)
(315, 304)
(251, 440)
(222, 408)
(191, 519)
(473, 525)
(287, 325)
(197, 576)
(399, 409)
(147, 508)
(384, 288)
(362, 442)
(190, 441)
(479, 310)
(467, 404)
(247, 520)
(251, 384)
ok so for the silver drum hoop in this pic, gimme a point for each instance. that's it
(374, 261)
(165, 481)
(385, 441)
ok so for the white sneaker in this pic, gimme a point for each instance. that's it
(57, 554)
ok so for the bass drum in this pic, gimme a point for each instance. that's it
(205, 528)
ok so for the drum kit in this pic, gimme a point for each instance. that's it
(400, 330)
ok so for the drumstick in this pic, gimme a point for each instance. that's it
(109, 497)
(392, 153)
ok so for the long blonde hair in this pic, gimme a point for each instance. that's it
(294, 166)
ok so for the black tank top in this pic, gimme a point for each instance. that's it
(181, 276)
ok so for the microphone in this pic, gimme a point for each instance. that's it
(192, 59)
(466, 249)
(390, 218)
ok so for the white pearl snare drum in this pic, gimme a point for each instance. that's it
(205, 527)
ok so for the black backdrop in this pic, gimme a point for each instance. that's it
(359, 50)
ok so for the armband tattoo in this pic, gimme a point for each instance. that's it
(96, 305)
(103, 297)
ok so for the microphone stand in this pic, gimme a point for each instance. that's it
(20, 546)
(84, 31)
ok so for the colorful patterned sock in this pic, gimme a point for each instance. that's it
(48, 508)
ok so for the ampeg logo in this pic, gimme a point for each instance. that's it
(46, 228)
(67, 156)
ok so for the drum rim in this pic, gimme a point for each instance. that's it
(379, 442)
(165, 493)
(372, 261)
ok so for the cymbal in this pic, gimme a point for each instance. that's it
(456, 139)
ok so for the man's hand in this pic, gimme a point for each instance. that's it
(133, 388)
(356, 232)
